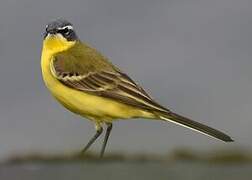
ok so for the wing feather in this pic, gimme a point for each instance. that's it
(112, 84)
(88, 71)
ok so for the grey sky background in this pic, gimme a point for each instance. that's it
(193, 56)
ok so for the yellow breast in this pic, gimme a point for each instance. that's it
(87, 105)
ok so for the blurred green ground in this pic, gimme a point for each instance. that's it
(181, 164)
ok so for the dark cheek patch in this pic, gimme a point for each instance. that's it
(71, 36)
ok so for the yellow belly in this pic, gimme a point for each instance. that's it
(93, 107)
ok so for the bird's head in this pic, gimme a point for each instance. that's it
(59, 35)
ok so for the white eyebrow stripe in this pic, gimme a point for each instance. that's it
(68, 27)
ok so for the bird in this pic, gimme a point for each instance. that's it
(85, 82)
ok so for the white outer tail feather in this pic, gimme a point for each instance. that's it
(175, 118)
(166, 119)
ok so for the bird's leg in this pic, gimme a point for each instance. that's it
(99, 130)
(109, 128)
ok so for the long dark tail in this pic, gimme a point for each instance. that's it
(183, 121)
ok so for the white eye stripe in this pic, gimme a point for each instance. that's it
(66, 27)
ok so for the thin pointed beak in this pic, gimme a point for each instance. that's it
(49, 32)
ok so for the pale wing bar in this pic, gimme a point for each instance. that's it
(113, 85)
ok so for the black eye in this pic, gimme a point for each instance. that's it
(46, 29)
(67, 32)
(64, 31)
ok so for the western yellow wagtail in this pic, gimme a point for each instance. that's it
(86, 83)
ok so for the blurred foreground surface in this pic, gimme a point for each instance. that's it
(126, 170)
(225, 165)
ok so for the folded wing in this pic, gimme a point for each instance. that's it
(109, 83)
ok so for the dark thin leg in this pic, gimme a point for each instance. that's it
(109, 128)
(92, 140)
